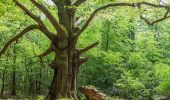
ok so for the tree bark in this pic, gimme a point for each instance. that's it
(65, 67)
(60, 86)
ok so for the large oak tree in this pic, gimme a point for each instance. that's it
(67, 59)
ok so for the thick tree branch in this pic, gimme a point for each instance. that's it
(51, 18)
(88, 48)
(138, 4)
(79, 2)
(26, 30)
(43, 28)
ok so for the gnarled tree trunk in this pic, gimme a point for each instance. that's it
(65, 64)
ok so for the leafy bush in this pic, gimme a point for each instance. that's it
(162, 71)
(132, 88)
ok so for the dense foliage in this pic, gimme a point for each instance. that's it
(132, 60)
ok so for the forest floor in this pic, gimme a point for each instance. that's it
(7, 96)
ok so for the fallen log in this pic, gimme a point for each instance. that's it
(92, 93)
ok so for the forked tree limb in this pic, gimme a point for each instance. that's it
(51, 18)
(153, 22)
(149, 22)
(48, 51)
(88, 48)
(79, 2)
(26, 30)
(138, 4)
(43, 28)
(26, 10)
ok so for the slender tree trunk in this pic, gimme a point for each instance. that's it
(3, 81)
(107, 39)
(14, 73)
(2, 88)
(38, 83)
(13, 82)
(31, 83)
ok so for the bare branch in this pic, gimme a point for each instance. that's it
(83, 60)
(146, 20)
(26, 10)
(153, 22)
(26, 30)
(157, 20)
(79, 2)
(151, 4)
(48, 51)
(43, 28)
(138, 4)
(51, 18)
(167, 12)
(88, 48)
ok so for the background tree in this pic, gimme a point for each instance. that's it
(63, 38)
